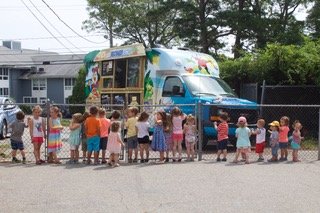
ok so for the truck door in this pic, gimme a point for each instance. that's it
(174, 92)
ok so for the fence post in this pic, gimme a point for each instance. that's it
(125, 149)
(319, 137)
(47, 130)
(199, 112)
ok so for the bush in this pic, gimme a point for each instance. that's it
(26, 109)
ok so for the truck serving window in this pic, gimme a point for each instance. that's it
(173, 87)
(205, 85)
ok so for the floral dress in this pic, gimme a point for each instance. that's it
(158, 139)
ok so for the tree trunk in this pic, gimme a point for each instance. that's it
(237, 45)
(203, 26)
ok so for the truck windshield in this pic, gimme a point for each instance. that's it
(205, 85)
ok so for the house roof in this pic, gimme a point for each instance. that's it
(42, 64)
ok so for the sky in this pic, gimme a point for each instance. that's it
(17, 23)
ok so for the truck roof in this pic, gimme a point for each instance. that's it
(185, 61)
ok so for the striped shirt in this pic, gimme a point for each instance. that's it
(223, 129)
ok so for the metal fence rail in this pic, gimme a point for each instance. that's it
(205, 115)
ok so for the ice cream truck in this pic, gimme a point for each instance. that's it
(134, 75)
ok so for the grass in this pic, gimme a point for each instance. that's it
(310, 143)
(5, 146)
(65, 122)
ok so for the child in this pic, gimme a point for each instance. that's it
(104, 132)
(168, 136)
(296, 140)
(222, 129)
(16, 137)
(55, 128)
(85, 115)
(243, 139)
(115, 116)
(190, 132)
(158, 138)
(274, 140)
(92, 129)
(283, 138)
(132, 133)
(177, 133)
(260, 133)
(37, 130)
(114, 144)
(74, 138)
(142, 128)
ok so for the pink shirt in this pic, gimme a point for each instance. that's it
(283, 134)
(177, 124)
(104, 127)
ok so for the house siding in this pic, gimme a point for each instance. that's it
(17, 87)
(55, 90)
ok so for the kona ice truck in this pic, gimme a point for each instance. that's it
(133, 75)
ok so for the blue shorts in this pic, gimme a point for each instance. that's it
(15, 145)
(283, 145)
(274, 150)
(295, 146)
(222, 145)
(93, 144)
(132, 142)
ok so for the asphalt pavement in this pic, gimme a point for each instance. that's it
(205, 186)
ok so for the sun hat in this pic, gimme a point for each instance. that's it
(242, 120)
(274, 123)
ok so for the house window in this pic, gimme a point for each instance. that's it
(43, 100)
(4, 73)
(69, 83)
(39, 84)
(30, 100)
(4, 92)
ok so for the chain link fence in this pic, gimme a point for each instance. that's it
(205, 115)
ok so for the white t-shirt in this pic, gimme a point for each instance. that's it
(37, 130)
(177, 124)
(143, 128)
(261, 135)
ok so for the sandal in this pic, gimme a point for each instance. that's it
(38, 162)
(57, 162)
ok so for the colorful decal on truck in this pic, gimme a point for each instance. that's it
(92, 90)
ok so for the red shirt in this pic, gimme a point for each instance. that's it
(223, 129)
(283, 134)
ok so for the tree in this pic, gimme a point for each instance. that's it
(78, 92)
(313, 20)
(144, 21)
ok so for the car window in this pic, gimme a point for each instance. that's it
(10, 104)
(173, 87)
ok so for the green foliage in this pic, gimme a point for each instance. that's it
(26, 109)
(277, 64)
(313, 20)
(78, 92)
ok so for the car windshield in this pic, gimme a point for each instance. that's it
(205, 85)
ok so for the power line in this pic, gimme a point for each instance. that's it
(53, 25)
(40, 38)
(50, 49)
(44, 26)
(68, 25)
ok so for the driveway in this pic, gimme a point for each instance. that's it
(204, 186)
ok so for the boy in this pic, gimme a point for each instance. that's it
(132, 133)
(104, 132)
(92, 130)
(16, 137)
(260, 133)
(223, 130)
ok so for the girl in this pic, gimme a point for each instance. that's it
(84, 137)
(283, 138)
(74, 138)
(243, 139)
(177, 133)
(260, 133)
(37, 129)
(274, 140)
(296, 140)
(132, 139)
(55, 128)
(168, 136)
(190, 132)
(104, 133)
(222, 129)
(158, 139)
(114, 144)
(142, 129)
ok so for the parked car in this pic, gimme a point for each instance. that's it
(8, 111)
